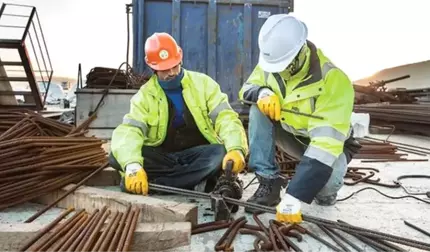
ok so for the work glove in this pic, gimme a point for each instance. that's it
(268, 103)
(289, 210)
(136, 180)
(238, 161)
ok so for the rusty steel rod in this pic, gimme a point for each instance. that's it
(316, 237)
(96, 231)
(210, 228)
(70, 233)
(130, 233)
(220, 244)
(278, 235)
(35, 216)
(105, 232)
(53, 237)
(334, 238)
(67, 246)
(46, 229)
(124, 234)
(111, 232)
(230, 238)
(84, 231)
(116, 237)
(272, 238)
(266, 242)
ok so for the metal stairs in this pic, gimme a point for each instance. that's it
(22, 43)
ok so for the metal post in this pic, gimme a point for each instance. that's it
(27, 27)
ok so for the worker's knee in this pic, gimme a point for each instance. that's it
(257, 118)
(336, 179)
(216, 153)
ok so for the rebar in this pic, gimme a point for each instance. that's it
(129, 239)
(84, 232)
(46, 229)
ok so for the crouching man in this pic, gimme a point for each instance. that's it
(293, 74)
(180, 130)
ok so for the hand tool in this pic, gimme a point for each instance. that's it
(228, 185)
(287, 110)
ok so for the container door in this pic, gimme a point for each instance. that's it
(218, 38)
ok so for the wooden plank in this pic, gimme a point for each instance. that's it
(147, 237)
(152, 209)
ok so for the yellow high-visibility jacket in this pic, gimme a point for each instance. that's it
(147, 122)
(319, 88)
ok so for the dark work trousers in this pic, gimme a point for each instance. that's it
(184, 169)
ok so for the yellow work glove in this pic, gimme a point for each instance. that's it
(289, 210)
(136, 180)
(268, 103)
(238, 161)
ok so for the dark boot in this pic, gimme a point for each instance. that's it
(268, 192)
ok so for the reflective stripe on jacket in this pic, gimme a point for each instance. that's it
(146, 122)
(319, 89)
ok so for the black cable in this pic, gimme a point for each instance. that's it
(383, 194)
(250, 183)
(106, 91)
(127, 10)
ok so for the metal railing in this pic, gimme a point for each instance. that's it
(32, 40)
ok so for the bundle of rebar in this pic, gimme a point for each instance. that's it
(406, 117)
(101, 230)
(277, 236)
(40, 155)
(21, 123)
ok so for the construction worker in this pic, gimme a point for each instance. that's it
(180, 130)
(293, 74)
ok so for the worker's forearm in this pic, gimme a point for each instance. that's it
(311, 176)
(126, 145)
(251, 92)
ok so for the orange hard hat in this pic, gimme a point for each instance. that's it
(162, 52)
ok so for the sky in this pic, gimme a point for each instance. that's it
(359, 36)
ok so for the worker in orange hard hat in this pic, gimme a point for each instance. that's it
(181, 129)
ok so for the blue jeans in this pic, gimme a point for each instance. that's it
(263, 134)
(184, 169)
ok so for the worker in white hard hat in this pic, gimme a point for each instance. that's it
(293, 74)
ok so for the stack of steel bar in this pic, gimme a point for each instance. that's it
(40, 155)
(102, 230)
(375, 150)
(284, 237)
(407, 117)
(381, 151)
(287, 163)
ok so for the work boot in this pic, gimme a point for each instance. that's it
(326, 200)
(267, 193)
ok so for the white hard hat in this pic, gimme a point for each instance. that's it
(280, 39)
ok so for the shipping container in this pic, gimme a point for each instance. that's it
(219, 38)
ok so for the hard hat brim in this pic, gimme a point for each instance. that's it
(274, 67)
(167, 64)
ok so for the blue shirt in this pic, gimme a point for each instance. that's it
(173, 90)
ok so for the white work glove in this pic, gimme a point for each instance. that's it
(289, 210)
